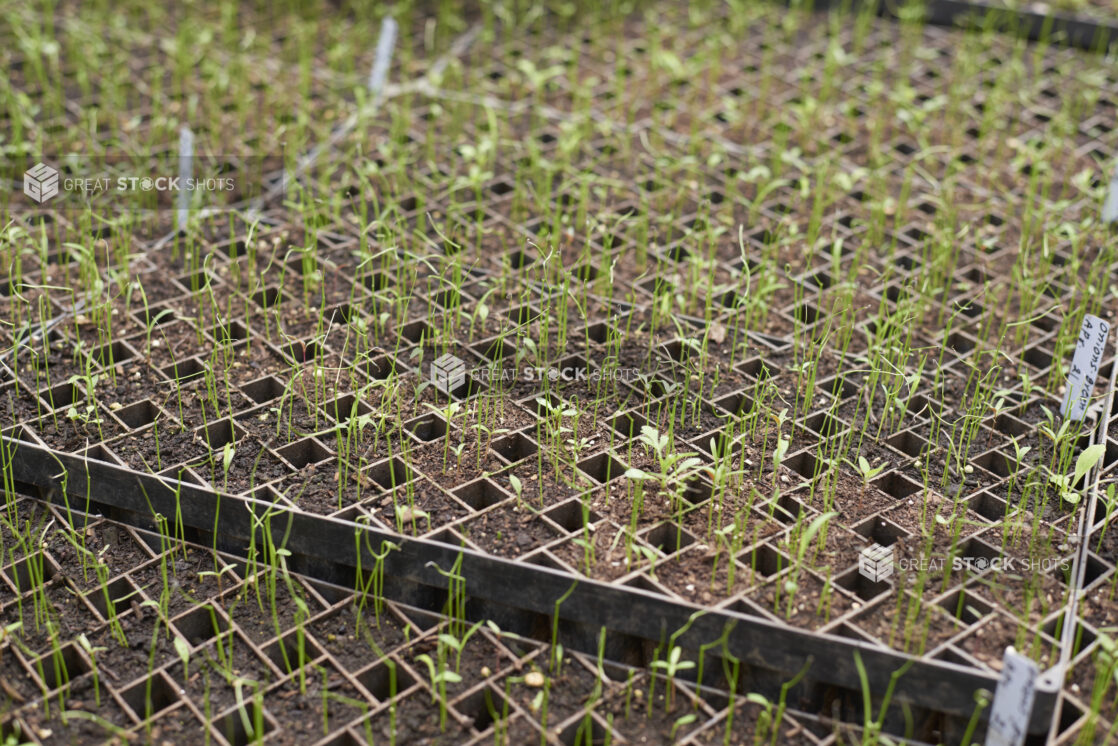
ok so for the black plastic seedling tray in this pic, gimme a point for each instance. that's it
(404, 632)
(523, 586)
(518, 596)
(1079, 31)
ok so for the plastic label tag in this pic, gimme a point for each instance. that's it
(186, 173)
(385, 44)
(1013, 701)
(1084, 367)
(1110, 206)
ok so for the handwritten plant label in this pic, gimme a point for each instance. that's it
(1084, 367)
(1013, 701)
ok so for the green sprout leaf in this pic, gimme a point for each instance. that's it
(1087, 460)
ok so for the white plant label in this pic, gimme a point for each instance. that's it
(1013, 701)
(1084, 367)
(186, 173)
(1110, 206)
(383, 59)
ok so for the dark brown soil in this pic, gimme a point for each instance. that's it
(507, 534)
(357, 648)
(328, 704)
